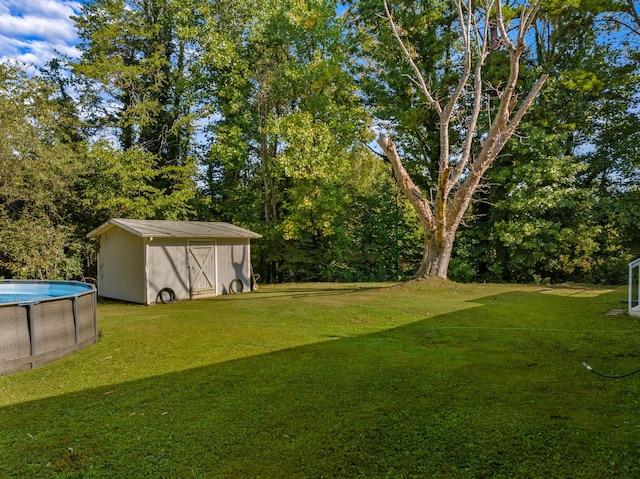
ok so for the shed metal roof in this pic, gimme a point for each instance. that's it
(175, 229)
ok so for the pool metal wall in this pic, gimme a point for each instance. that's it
(34, 333)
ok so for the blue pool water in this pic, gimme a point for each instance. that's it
(13, 291)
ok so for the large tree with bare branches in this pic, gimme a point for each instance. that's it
(475, 116)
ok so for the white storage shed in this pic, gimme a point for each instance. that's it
(151, 261)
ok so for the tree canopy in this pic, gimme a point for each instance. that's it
(265, 114)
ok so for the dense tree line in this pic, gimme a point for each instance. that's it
(263, 114)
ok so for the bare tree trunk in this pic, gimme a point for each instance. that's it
(461, 167)
(435, 261)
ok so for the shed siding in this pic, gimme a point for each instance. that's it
(234, 262)
(121, 266)
(167, 268)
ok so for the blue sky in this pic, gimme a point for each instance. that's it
(32, 30)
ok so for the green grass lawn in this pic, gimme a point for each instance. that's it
(427, 380)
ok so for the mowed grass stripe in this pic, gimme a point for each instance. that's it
(431, 379)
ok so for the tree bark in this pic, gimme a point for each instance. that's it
(437, 254)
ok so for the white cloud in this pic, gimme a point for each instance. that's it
(31, 31)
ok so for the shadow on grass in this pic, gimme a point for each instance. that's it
(268, 291)
(422, 400)
(301, 291)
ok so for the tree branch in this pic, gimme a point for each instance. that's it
(504, 126)
(406, 184)
(519, 115)
(419, 80)
(484, 44)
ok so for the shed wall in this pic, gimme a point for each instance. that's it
(167, 268)
(234, 262)
(121, 273)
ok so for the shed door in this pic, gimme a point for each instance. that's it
(202, 268)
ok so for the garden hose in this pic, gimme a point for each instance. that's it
(608, 375)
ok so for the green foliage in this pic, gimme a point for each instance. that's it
(134, 54)
(39, 169)
(384, 75)
(258, 113)
(121, 185)
(386, 239)
(282, 155)
(34, 247)
(54, 187)
(557, 195)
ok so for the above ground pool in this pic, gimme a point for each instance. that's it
(41, 321)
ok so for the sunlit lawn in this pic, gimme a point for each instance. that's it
(427, 380)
